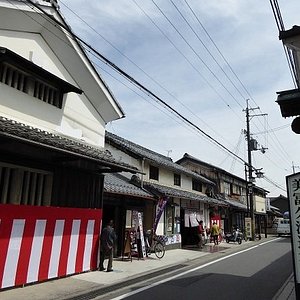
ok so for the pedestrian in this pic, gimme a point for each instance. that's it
(200, 234)
(107, 241)
(215, 233)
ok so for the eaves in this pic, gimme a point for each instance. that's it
(11, 130)
(154, 158)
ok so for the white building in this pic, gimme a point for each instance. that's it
(53, 111)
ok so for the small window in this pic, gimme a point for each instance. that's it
(197, 185)
(154, 173)
(177, 179)
(23, 82)
(32, 189)
(227, 188)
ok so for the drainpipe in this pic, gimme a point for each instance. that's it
(142, 177)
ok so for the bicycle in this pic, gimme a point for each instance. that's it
(154, 243)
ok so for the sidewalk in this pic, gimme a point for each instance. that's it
(287, 291)
(127, 272)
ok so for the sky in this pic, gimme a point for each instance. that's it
(204, 59)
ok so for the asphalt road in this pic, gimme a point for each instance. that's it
(255, 273)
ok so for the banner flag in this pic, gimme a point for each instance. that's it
(162, 202)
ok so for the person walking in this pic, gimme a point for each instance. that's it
(215, 233)
(107, 241)
(200, 234)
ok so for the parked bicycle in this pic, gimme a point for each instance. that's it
(154, 243)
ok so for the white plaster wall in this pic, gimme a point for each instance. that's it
(123, 157)
(24, 108)
(186, 183)
(260, 204)
(77, 119)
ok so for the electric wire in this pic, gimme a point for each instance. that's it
(234, 73)
(135, 82)
(165, 36)
(195, 52)
(186, 58)
(138, 67)
(103, 59)
(209, 52)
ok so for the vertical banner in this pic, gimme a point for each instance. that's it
(161, 205)
(138, 224)
(248, 228)
(293, 188)
(38, 243)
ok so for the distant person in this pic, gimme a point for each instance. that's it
(200, 234)
(107, 241)
(215, 233)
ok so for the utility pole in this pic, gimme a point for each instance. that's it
(294, 167)
(250, 173)
(251, 146)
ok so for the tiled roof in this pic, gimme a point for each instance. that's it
(20, 131)
(189, 157)
(118, 184)
(236, 204)
(154, 157)
(172, 192)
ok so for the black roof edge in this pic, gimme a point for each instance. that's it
(294, 31)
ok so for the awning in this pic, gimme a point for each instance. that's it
(160, 190)
(121, 185)
(236, 204)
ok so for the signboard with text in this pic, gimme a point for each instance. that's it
(248, 227)
(293, 187)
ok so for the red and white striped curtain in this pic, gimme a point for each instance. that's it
(39, 243)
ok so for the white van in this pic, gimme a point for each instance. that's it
(283, 227)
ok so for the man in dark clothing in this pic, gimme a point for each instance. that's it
(107, 241)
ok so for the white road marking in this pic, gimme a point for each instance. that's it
(189, 271)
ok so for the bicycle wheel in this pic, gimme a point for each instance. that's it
(159, 250)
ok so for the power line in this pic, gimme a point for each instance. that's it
(137, 66)
(136, 83)
(193, 50)
(233, 72)
(205, 47)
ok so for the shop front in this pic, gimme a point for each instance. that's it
(127, 205)
(192, 212)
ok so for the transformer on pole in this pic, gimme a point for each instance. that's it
(252, 145)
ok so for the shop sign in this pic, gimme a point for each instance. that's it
(140, 231)
(248, 225)
(293, 187)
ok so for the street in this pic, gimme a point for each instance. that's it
(254, 273)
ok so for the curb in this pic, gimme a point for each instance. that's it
(287, 291)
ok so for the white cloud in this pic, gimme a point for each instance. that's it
(247, 36)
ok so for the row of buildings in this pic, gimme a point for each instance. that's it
(62, 174)
(194, 190)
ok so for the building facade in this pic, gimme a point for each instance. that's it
(53, 111)
(184, 194)
(231, 189)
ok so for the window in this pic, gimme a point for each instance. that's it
(23, 82)
(24, 186)
(154, 173)
(236, 189)
(227, 188)
(177, 179)
(197, 185)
